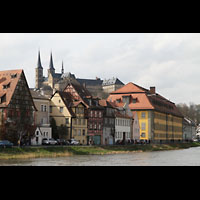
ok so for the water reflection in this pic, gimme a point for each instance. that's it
(186, 157)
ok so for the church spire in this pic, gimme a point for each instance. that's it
(62, 71)
(51, 63)
(39, 65)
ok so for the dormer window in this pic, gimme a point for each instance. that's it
(118, 100)
(126, 99)
(134, 100)
(13, 75)
(6, 86)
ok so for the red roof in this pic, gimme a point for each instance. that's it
(8, 83)
(143, 99)
(129, 88)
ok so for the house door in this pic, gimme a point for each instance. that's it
(124, 137)
(97, 139)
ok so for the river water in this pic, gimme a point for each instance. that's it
(186, 157)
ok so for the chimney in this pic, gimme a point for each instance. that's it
(153, 90)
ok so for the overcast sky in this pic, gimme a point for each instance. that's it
(170, 61)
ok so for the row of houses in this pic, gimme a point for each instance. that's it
(130, 113)
(85, 118)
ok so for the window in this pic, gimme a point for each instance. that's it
(143, 135)
(126, 99)
(118, 100)
(83, 132)
(91, 113)
(50, 108)
(106, 120)
(143, 126)
(134, 100)
(143, 115)
(13, 76)
(43, 108)
(6, 86)
(79, 132)
(67, 120)
(95, 113)
(61, 109)
(100, 115)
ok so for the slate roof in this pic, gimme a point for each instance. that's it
(91, 82)
(112, 81)
(37, 95)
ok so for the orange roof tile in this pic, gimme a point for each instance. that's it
(142, 101)
(129, 88)
(145, 100)
(10, 77)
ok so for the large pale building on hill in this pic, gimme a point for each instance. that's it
(58, 81)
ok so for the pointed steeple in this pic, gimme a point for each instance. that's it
(39, 65)
(62, 71)
(51, 63)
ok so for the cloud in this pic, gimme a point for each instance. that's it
(168, 61)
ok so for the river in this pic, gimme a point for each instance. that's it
(185, 157)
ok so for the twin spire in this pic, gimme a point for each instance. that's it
(51, 66)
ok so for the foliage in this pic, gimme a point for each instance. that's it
(54, 128)
(58, 132)
(38, 152)
(191, 111)
(62, 131)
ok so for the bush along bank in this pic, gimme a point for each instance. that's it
(62, 151)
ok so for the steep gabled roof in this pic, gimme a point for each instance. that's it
(8, 83)
(67, 100)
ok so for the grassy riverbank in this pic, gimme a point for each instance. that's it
(58, 151)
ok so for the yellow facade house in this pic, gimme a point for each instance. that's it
(61, 112)
(159, 119)
(79, 123)
(70, 113)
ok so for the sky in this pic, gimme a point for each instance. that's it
(168, 61)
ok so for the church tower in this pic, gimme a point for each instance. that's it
(51, 73)
(51, 69)
(38, 73)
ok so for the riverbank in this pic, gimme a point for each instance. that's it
(62, 151)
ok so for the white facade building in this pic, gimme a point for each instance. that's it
(122, 127)
(40, 134)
